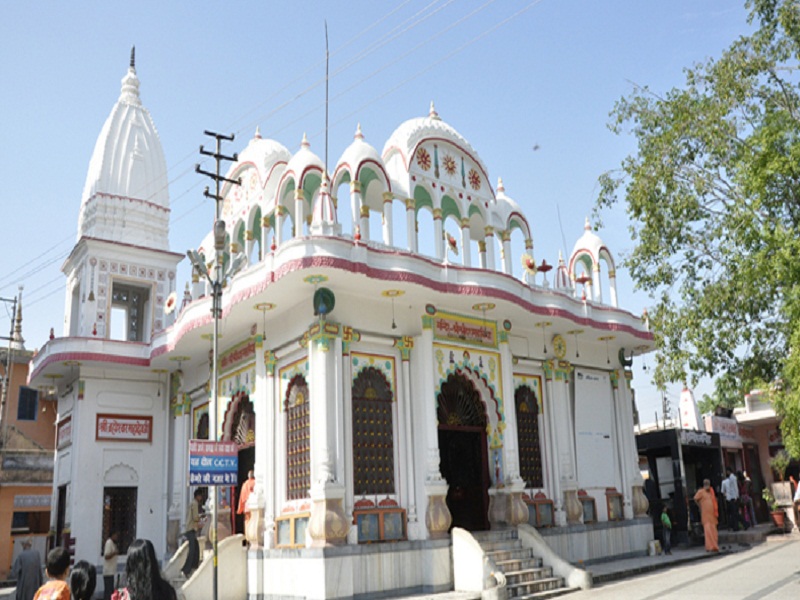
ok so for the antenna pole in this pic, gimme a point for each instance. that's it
(327, 66)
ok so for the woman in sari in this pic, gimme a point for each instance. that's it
(709, 512)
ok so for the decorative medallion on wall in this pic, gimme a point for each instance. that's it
(423, 159)
(449, 164)
(474, 179)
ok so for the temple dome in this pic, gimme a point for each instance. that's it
(126, 194)
(265, 154)
(303, 161)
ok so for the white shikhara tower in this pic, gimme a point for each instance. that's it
(120, 271)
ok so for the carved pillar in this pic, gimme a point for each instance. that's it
(489, 240)
(482, 253)
(408, 438)
(388, 237)
(505, 238)
(598, 289)
(465, 245)
(563, 435)
(612, 287)
(328, 524)
(355, 205)
(411, 224)
(364, 212)
(265, 245)
(438, 234)
(280, 217)
(299, 211)
(259, 527)
(249, 242)
(437, 515)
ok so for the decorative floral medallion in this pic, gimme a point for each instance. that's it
(449, 164)
(474, 179)
(423, 159)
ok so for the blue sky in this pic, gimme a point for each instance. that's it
(509, 76)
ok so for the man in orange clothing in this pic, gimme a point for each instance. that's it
(247, 489)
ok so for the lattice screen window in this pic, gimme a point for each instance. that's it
(373, 434)
(530, 455)
(298, 438)
(119, 515)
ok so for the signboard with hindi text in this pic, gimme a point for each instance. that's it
(124, 428)
(213, 463)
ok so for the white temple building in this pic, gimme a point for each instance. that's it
(435, 390)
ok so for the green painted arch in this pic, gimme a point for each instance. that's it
(450, 208)
(256, 226)
(422, 199)
(473, 210)
(366, 176)
(311, 183)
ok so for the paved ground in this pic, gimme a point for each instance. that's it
(731, 545)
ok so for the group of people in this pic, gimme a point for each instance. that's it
(737, 490)
(142, 570)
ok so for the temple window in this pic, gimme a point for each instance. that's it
(298, 438)
(530, 456)
(129, 307)
(373, 434)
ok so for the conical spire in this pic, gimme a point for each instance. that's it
(130, 83)
(433, 114)
(305, 143)
(358, 135)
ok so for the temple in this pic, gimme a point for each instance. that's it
(382, 369)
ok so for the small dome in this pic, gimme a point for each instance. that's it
(509, 211)
(355, 156)
(264, 154)
(589, 243)
(302, 162)
(410, 134)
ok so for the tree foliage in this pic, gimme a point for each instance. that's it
(713, 195)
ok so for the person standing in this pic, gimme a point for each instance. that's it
(110, 554)
(709, 513)
(143, 574)
(193, 525)
(244, 494)
(730, 489)
(27, 570)
(666, 528)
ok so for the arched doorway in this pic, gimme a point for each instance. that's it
(240, 427)
(463, 452)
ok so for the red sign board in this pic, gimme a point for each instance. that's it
(124, 428)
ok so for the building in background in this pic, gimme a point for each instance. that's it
(27, 441)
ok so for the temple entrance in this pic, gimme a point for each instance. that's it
(463, 452)
(239, 426)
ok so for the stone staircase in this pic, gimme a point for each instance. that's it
(526, 577)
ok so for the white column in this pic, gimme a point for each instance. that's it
(598, 289)
(388, 237)
(328, 524)
(622, 476)
(437, 515)
(355, 206)
(249, 242)
(466, 250)
(505, 237)
(612, 287)
(482, 254)
(438, 234)
(408, 438)
(299, 212)
(265, 245)
(411, 224)
(548, 405)
(280, 217)
(489, 240)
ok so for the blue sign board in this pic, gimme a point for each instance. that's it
(213, 463)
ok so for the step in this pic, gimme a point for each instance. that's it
(496, 534)
(504, 544)
(503, 555)
(519, 564)
(548, 594)
(531, 587)
(528, 575)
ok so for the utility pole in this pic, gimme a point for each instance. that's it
(6, 381)
(216, 303)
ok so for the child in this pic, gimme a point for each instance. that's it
(57, 570)
(667, 528)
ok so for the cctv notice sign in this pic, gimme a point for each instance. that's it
(213, 463)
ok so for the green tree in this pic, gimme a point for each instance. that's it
(713, 196)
